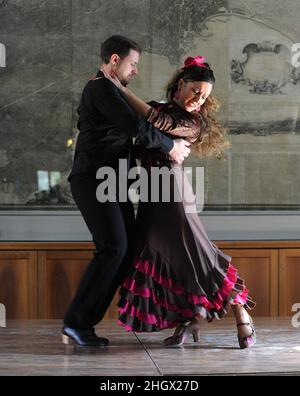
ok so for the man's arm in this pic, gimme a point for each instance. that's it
(108, 100)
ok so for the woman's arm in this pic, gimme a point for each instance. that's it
(136, 103)
(174, 124)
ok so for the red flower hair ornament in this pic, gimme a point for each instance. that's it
(195, 61)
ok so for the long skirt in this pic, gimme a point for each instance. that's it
(178, 273)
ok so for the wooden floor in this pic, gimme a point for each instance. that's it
(34, 348)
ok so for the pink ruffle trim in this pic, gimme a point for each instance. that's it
(146, 317)
(132, 286)
(148, 268)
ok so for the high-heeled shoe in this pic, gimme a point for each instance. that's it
(250, 340)
(181, 334)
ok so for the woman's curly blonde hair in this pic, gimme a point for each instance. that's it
(212, 139)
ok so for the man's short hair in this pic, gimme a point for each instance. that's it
(119, 45)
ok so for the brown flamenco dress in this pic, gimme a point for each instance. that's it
(177, 273)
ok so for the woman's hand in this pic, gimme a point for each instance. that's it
(114, 80)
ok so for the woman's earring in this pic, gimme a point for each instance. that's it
(176, 95)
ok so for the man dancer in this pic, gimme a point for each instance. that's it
(107, 124)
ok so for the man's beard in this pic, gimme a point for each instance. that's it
(124, 82)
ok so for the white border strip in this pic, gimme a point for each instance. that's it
(69, 226)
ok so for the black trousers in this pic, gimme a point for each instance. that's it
(112, 227)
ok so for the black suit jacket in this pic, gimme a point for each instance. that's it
(107, 125)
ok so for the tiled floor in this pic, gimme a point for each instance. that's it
(35, 348)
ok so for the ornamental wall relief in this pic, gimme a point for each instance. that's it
(267, 68)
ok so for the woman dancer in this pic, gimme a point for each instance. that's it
(179, 275)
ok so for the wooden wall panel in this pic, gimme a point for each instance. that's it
(59, 274)
(18, 284)
(289, 280)
(259, 269)
(38, 280)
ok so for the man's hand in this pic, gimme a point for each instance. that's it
(180, 150)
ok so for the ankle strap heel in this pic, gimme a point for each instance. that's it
(249, 341)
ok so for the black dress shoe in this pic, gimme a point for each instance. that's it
(82, 337)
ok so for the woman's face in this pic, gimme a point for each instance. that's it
(192, 94)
